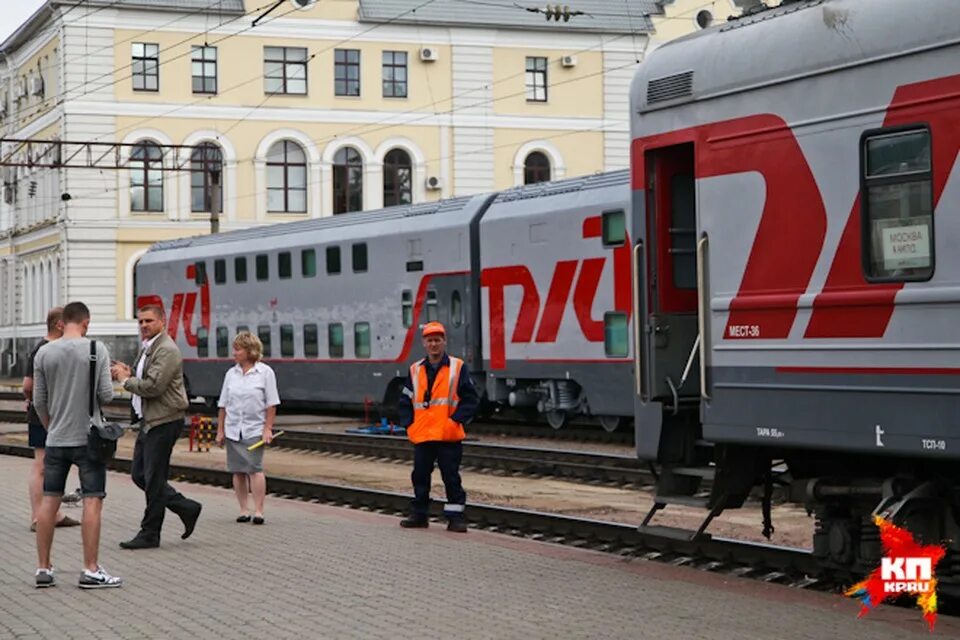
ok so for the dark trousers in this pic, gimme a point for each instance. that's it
(150, 470)
(447, 455)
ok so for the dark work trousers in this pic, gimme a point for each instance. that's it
(447, 455)
(150, 470)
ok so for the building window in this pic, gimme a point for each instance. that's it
(394, 74)
(333, 260)
(285, 70)
(308, 263)
(263, 267)
(284, 265)
(536, 79)
(347, 181)
(286, 340)
(310, 348)
(397, 178)
(335, 340)
(263, 332)
(286, 178)
(406, 307)
(346, 72)
(240, 269)
(361, 340)
(616, 342)
(145, 67)
(146, 177)
(223, 342)
(897, 205)
(203, 65)
(536, 168)
(204, 160)
(220, 271)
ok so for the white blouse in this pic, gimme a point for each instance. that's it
(246, 397)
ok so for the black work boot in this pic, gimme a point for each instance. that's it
(415, 522)
(459, 525)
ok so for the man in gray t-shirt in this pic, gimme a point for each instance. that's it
(61, 395)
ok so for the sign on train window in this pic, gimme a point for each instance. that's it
(897, 205)
(614, 228)
(406, 305)
(616, 340)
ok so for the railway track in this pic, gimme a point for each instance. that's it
(794, 567)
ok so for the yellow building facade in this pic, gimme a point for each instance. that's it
(302, 108)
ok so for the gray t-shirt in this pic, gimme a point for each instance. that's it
(61, 389)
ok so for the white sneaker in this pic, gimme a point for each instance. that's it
(98, 579)
(45, 578)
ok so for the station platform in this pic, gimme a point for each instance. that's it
(317, 571)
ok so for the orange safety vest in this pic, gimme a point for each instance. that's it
(431, 421)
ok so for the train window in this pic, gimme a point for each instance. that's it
(897, 221)
(223, 342)
(308, 263)
(333, 260)
(240, 269)
(263, 267)
(361, 339)
(456, 309)
(241, 328)
(310, 342)
(614, 225)
(433, 306)
(220, 271)
(335, 340)
(359, 257)
(286, 340)
(615, 335)
(263, 332)
(683, 231)
(200, 273)
(203, 346)
(284, 265)
(406, 305)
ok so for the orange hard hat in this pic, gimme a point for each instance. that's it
(433, 328)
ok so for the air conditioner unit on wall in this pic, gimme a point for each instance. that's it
(434, 183)
(429, 54)
(36, 85)
(568, 61)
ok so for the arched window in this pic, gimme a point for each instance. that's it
(286, 178)
(205, 159)
(536, 168)
(397, 178)
(146, 177)
(347, 181)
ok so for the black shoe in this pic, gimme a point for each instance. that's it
(460, 526)
(190, 521)
(414, 522)
(139, 543)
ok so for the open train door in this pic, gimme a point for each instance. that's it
(667, 300)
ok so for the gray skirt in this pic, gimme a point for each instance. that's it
(239, 460)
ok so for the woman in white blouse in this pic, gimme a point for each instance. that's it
(248, 405)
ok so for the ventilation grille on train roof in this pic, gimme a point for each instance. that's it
(679, 85)
(570, 185)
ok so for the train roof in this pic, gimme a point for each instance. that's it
(561, 187)
(793, 40)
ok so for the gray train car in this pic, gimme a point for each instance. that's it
(812, 148)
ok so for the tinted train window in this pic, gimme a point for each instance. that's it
(333, 260)
(263, 267)
(223, 342)
(220, 271)
(284, 265)
(456, 309)
(203, 346)
(897, 222)
(241, 328)
(616, 340)
(360, 257)
(263, 332)
(199, 273)
(406, 305)
(286, 340)
(240, 269)
(310, 348)
(614, 228)
(433, 306)
(335, 340)
(683, 231)
(361, 339)
(308, 263)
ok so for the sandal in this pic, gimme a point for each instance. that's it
(67, 521)
(243, 518)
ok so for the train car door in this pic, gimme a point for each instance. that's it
(447, 302)
(670, 340)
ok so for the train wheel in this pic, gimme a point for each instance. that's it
(556, 419)
(610, 423)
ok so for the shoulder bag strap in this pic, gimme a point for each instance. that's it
(93, 375)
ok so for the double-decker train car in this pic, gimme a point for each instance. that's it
(532, 284)
(812, 150)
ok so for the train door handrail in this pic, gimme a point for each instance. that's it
(637, 321)
(702, 309)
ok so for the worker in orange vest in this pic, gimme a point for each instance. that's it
(438, 399)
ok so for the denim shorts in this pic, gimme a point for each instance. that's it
(36, 436)
(56, 467)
